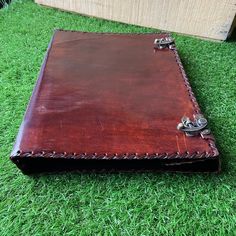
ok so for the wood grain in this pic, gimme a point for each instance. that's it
(204, 18)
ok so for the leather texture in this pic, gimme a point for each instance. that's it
(110, 97)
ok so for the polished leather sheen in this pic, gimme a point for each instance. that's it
(110, 101)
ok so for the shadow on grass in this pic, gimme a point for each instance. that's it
(233, 34)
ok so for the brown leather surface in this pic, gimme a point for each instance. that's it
(109, 94)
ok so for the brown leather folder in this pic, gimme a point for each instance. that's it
(113, 102)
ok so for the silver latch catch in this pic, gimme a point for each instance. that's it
(163, 43)
(195, 127)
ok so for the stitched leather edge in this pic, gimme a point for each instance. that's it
(107, 156)
(193, 99)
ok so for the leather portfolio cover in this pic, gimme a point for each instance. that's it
(113, 102)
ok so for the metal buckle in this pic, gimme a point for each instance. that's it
(163, 43)
(195, 127)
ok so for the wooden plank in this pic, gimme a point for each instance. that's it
(209, 19)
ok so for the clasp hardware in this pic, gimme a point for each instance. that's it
(195, 127)
(162, 43)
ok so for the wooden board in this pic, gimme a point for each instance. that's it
(204, 18)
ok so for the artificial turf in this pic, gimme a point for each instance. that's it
(123, 203)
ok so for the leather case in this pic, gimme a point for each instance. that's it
(113, 102)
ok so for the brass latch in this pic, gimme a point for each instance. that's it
(195, 127)
(163, 43)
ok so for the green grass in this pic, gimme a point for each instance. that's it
(113, 204)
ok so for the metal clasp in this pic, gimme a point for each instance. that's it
(195, 127)
(163, 43)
